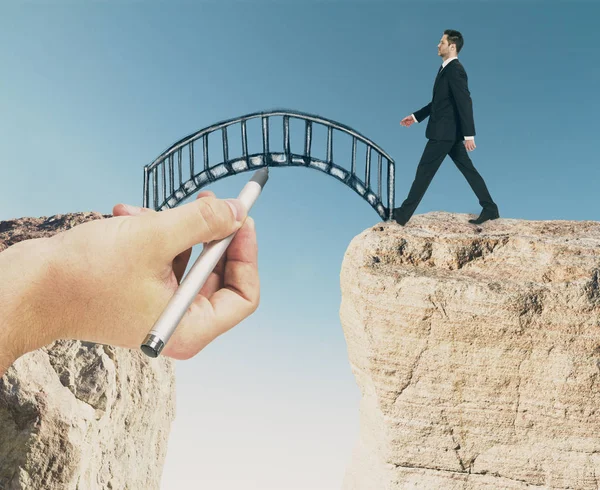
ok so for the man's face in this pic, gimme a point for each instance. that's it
(443, 46)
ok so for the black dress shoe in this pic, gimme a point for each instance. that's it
(485, 216)
(399, 217)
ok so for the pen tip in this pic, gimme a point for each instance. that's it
(261, 176)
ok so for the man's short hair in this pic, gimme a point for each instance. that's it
(455, 37)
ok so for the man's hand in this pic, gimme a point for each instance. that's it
(108, 280)
(407, 121)
(470, 145)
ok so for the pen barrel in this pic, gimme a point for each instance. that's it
(191, 285)
(249, 194)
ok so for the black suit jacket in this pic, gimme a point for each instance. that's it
(451, 109)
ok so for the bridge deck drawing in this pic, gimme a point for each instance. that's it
(189, 164)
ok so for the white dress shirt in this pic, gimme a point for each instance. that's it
(444, 66)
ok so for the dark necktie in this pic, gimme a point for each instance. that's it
(437, 77)
(438, 74)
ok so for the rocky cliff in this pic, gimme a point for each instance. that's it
(477, 352)
(82, 416)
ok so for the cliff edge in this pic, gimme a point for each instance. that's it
(477, 353)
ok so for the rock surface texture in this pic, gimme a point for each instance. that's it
(82, 416)
(477, 352)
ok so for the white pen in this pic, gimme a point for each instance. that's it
(190, 286)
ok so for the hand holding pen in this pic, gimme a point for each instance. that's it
(108, 280)
(199, 273)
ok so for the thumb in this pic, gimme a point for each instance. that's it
(203, 220)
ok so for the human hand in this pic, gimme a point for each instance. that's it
(107, 281)
(407, 121)
(470, 145)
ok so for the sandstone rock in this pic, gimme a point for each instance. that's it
(78, 415)
(477, 352)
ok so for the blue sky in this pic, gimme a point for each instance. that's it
(92, 92)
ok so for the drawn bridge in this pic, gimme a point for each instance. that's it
(179, 172)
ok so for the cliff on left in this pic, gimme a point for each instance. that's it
(78, 415)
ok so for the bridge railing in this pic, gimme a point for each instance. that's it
(180, 171)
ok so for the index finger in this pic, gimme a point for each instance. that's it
(200, 221)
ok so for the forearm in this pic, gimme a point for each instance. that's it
(465, 114)
(422, 113)
(24, 269)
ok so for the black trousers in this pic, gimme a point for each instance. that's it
(433, 156)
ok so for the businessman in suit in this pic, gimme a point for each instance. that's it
(450, 131)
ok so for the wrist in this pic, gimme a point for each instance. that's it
(24, 284)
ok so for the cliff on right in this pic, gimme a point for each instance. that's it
(477, 353)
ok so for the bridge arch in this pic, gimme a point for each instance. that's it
(164, 189)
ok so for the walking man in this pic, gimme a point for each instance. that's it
(450, 131)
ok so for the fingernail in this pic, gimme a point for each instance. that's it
(132, 209)
(250, 222)
(239, 211)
